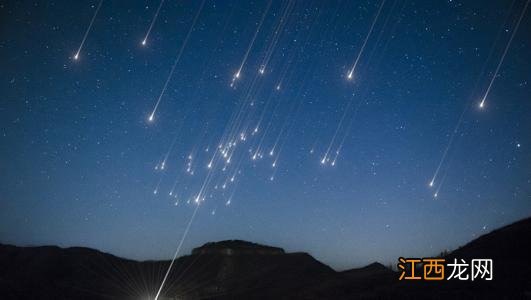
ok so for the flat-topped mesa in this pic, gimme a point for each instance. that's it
(236, 247)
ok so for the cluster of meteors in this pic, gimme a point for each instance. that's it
(248, 127)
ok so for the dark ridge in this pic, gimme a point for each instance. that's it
(374, 268)
(236, 247)
(515, 243)
(237, 269)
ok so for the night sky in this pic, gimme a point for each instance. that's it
(260, 133)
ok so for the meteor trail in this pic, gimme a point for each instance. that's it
(238, 73)
(76, 56)
(436, 194)
(482, 103)
(369, 59)
(177, 59)
(351, 72)
(432, 181)
(460, 120)
(163, 164)
(276, 34)
(152, 23)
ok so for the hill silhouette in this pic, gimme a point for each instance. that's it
(237, 269)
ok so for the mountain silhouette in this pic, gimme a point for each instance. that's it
(236, 269)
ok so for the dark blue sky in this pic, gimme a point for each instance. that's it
(80, 161)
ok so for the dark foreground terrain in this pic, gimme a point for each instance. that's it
(243, 270)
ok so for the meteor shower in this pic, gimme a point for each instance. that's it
(269, 149)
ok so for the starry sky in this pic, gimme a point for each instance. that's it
(243, 115)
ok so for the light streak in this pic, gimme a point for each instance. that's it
(157, 188)
(326, 157)
(259, 146)
(177, 59)
(460, 120)
(167, 155)
(276, 36)
(360, 102)
(152, 23)
(353, 68)
(436, 194)
(76, 56)
(177, 251)
(238, 73)
(229, 201)
(448, 146)
(482, 103)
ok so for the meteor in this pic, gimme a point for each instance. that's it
(482, 103)
(267, 128)
(170, 148)
(436, 194)
(327, 154)
(443, 158)
(276, 35)
(177, 59)
(229, 201)
(275, 170)
(343, 130)
(235, 77)
(152, 23)
(76, 56)
(448, 146)
(461, 117)
(353, 68)
(238, 73)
